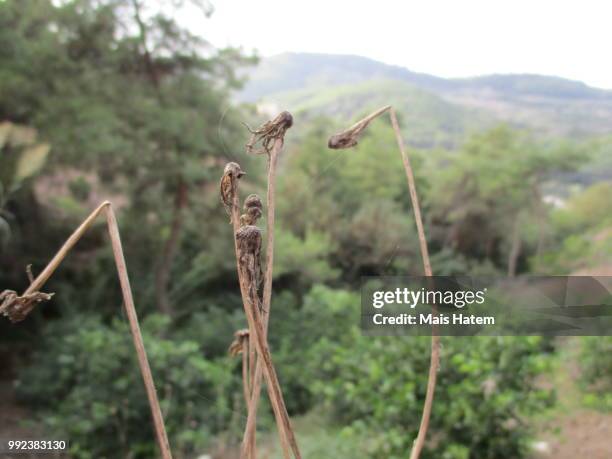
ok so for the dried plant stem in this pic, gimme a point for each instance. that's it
(267, 289)
(246, 385)
(413, 194)
(274, 391)
(64, 250)
(240, 345)
(435, 339)
(128, 300)
(256, 329)
(271, 216)
(348, 139)
(363, 123)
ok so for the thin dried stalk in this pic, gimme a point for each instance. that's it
(271, 218)
(348, 139)
(246, 385)
(240, 345)
(143, 361)
(435, 339)
(113, 231)
(63, 251)
(267, 291)
(253, 311)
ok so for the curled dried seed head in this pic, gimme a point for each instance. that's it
(341, 141)
(249, 240)
(253, 209)
(253, 200)
(240, 337)
(242, 333)
(229, 183)
(16, 307)
(268, 132)
(284, 119)
(233, 169)
(350, 137)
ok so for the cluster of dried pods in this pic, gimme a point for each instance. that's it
(248, 242)
(256, 301)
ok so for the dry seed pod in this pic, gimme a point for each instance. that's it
(348, 138)
(16, 307)
(240, 337)
(229, 184)
(268, 132)
(249, 259)
(253, 209)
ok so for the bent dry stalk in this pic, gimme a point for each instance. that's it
(247, 245)
(347, 139)
(128, 301)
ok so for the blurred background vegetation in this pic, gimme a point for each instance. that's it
(109, 99)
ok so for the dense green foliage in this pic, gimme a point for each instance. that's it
(582, 232)
(374, 387)
(86, 382)
(596, 368)
(139, 111)
(486, 391)
(22, 158)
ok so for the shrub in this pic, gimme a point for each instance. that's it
(596, 376)
(375, 386)
(86, 383)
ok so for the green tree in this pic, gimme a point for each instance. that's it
(86, 385)
(120, 90)
(21, 157)
(354, 203)
(485, 197)
(581, 232)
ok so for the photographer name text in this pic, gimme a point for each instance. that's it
(432, 319)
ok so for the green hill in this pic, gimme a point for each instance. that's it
(439, 112)
(429, 120)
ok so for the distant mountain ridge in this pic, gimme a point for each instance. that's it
(293, 70)
(339, 85)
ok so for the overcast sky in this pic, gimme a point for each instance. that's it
(453, 38)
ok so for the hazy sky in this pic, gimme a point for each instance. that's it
(453, 38)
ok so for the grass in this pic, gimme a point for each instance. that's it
(318, 440)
